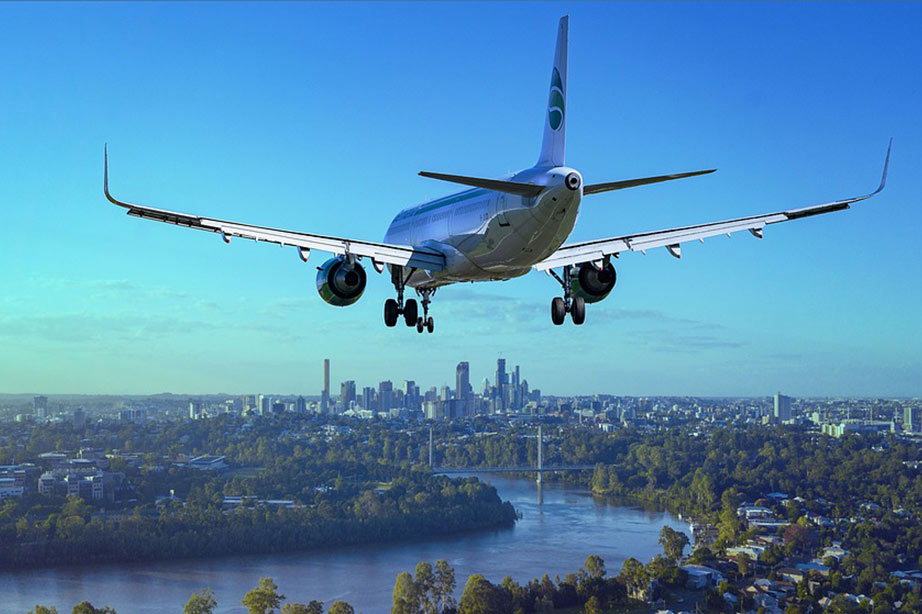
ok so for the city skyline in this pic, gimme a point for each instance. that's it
(93, 302)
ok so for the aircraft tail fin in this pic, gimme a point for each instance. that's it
(555, 121)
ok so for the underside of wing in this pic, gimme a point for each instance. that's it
(381, 253)
(672, 238)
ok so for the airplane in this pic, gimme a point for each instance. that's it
(498, 229)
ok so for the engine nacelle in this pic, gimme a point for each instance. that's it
(340, 283)
(591, 283)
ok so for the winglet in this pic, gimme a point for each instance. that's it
(105, 181)
(105, 175)
(883, 176)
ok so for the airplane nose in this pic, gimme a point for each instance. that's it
(573, 180)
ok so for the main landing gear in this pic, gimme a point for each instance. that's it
(409, 309)
(561, 306)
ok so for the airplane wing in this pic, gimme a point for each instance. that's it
(672, 238)
(380, 253)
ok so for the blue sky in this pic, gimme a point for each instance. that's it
(317, 117)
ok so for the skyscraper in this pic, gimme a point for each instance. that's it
(782, 408)
(368, 398)
(463, 381)
(325, 395)
(501, 385)
(195, 409)
(411, 394)
(40, 405)
(911, 420)
(347, 393)
(385, 396)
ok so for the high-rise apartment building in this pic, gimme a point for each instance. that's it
(782, 408)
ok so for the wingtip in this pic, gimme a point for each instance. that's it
(883, 176)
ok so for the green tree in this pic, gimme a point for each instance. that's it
(426, 589)
(201, 603)
(406, 595)
(479, 596)
(41, 609)
(673, 543)
(300, 608)
(445, 585)
(264, 599)
(341, 607)
(633, 576)
(593, 606)
(85, 607)
(743, 563)
(595, 566)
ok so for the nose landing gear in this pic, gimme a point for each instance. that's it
(426, 322)
(561, 306)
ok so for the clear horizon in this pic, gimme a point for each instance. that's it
(317, 117)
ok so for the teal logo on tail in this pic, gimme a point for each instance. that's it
(555, 104)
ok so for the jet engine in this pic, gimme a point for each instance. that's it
(591, 283)
(340, 283)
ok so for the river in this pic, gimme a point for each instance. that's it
(553, 537)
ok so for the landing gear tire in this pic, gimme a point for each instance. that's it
(391, 311)
(578, 310)
(410, 312)
(419, 325)
(430, 324)
(558, 311)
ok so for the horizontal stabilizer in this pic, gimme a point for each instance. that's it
(528, 190)
(596, 188)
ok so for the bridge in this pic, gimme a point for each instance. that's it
(540, 468)
(520, 469)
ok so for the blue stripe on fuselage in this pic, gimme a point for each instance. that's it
(439, 203)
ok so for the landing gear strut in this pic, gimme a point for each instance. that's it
(393, 309)
(561, 306)
(425, 322)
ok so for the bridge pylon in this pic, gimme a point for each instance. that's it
(540, 459)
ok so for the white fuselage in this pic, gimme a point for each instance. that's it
(487, 235)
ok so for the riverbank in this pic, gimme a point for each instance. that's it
(404, 510)
(553, 537)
